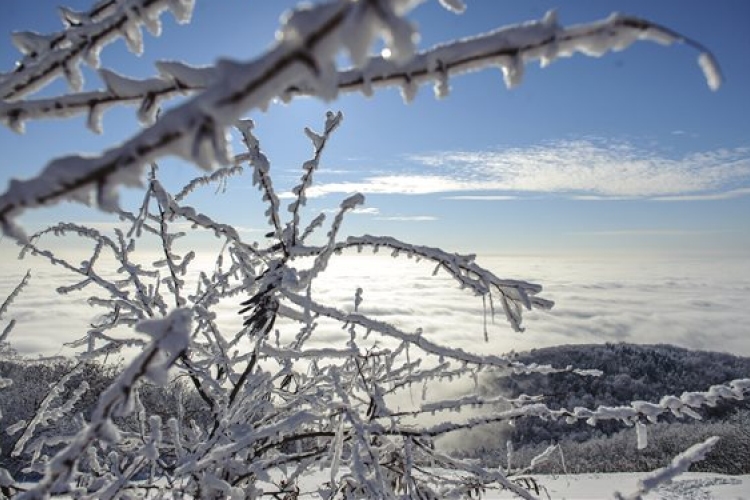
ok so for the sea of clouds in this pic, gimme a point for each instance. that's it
(699, 303)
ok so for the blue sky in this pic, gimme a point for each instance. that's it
(628, 153)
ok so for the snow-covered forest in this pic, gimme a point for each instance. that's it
(255, 409)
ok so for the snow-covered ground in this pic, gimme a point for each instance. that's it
(688, 486)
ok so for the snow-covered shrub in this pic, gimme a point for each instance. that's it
(276, 405)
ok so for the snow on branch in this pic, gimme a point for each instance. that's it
(684, 405)
(171, 336)
(48, 57)
(418, 340)
(319, 143)
(512, 47)
(303, 61)
(12, 296)
(515, 295)
(679, 465)
(508, 48)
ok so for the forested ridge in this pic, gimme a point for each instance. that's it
(630, 373)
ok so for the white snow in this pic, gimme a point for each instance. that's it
(688, 486)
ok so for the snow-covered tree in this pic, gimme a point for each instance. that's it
(276, 405)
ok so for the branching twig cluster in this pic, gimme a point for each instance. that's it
(276, 404)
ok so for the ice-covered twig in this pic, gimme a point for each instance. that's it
(508, 48)
(220, 175)
(514, 294)
(679, 465)
(43, 415)
(419, 340)
(300, 191)
(12, 296)
(322, 258)
(171, 336)
(141, 305)
(51, 56)
(262, 179)
(684, 405)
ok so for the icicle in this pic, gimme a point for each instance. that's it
(182, 10)
(316, 139)
(710, 70)
(73, 75)
(30, 43)
(513, 71)
(455, 6)
(152, 21)
(72, 18)
(148, 110)
(131, 31)
(642, 435)
(94, 119)
(16, 123)
(442, 86)
(409, 90)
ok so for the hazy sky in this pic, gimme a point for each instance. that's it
(628, 153)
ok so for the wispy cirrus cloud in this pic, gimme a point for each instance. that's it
(408, 218)
(395, 184)
(725, 195)
(375, 212)
(481, 197)
(668, 232)
(602, 168)
(584, 169)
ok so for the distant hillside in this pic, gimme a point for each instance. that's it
(631, 372)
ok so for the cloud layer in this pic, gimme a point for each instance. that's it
(591, 169)
(694, 303)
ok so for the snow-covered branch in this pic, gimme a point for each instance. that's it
(47, 57)
(679, 465)
(508, 48)
(268, 393)
(171, 337)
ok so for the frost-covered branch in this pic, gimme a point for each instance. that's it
(13, 295)
(515, 295)
(310, 166)
(508, 48)
(171, 338)
(679, 465)
(48, 57)
(43, 414)
(420, 341)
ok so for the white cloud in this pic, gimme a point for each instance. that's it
(355, 211)
(585, 169)
(646, 232)
(698, 303)
(396, 184)
(489, 197)
(374, 211)
(408, 218)
(593, 169)
(726, 195)
(687, 302)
